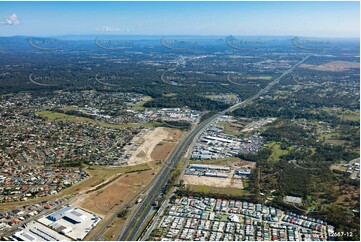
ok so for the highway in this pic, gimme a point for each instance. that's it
(139, 219)
(140, 216)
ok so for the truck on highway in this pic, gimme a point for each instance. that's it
(140, 199)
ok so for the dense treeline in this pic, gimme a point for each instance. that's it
(259, 157)
(177, 124)
(288, 132)
(139, 68)
(192, 101)
(343, 221)
(323, 153)
(282, 108)
(293, 181)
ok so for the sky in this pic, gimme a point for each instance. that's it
(317, 19)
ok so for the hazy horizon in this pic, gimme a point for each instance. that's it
(309, 19)
(156, 36)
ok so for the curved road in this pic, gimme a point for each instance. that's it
(137, 222)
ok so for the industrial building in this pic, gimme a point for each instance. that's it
(291, 199)
(209, 170)
(67, 223)
(71, 221)
(245, 173)
(210, 167)
(35, 231)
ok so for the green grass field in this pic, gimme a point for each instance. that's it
(350, 115)
(139, 105)
(338, 167)
(333, 138)
(229, 95)
(229, 129)
(277, 152)
(245, 184)
(265, 78)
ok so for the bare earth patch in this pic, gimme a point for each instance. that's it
(333, 66)
(116, 193)
(213, 181)
(160, 140)
(244, 164)
(257, 124)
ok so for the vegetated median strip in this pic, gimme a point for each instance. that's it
(134, 212)
(96, 237)
(147, 204)
(168, 170)
(149, 201)
(183, 148)
(99, 234)
(145, 233)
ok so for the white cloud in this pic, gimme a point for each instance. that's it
(11, 20)
(112, 29)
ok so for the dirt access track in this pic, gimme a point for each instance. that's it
(116, 193)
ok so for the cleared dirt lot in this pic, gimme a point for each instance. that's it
(117, 193)
(213, 181)
(258, 124)
(156, 143)
(244, 164)
(333, 66)
(163, 149)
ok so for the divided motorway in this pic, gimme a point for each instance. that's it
(140, 216)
